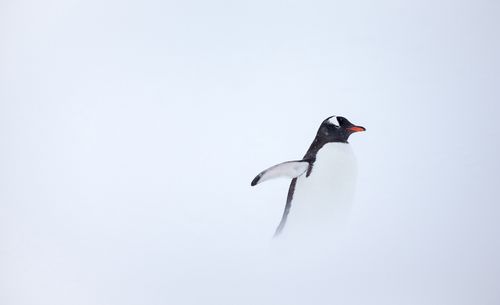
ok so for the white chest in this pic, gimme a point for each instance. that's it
(325, 197)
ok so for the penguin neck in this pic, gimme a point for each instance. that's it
(316, 145)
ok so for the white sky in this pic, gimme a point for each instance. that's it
(130, 132)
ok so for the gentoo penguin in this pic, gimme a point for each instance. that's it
(323, 181)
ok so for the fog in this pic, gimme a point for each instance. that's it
(130, 132)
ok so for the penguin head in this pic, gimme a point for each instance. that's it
(337, 129)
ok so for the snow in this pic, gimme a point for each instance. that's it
(130, 132)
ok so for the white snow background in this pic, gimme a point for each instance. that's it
(130, 132)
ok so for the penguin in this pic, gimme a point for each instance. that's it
(323, 181)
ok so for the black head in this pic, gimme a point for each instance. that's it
(333, 129)
(337, 129)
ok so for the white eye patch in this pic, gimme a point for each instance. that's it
(333, 120)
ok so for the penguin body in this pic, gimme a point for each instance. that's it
(323, 199)
(323, 184)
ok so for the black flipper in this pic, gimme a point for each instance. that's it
(290, 169)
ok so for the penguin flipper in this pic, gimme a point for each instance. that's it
(290, 169)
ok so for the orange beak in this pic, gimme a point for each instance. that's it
(356, 128)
